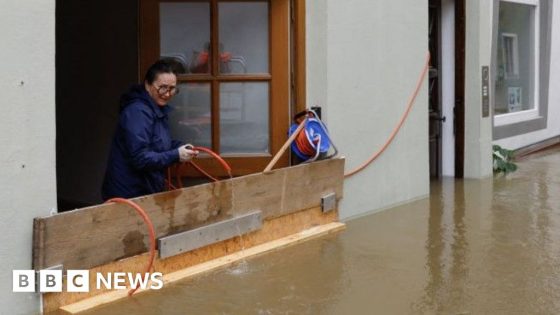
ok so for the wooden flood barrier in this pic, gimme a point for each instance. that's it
(99, 238)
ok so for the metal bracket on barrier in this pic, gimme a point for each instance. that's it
(328, 202)
(175, 244)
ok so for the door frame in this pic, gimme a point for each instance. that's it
(458, 119)
(435, 110)
(460, 18)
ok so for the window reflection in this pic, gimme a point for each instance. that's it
(515, 75)
(244, 118)
(243, 28)
(185, 35)
(190, 119)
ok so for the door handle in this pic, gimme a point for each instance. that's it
(436, 117)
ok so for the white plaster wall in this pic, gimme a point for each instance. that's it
(316, 53)
(478, 130)
(363, 67)
(553, 119)
(448, 86)
(27, 137)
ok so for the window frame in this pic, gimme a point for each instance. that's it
(524, 115)
(522, 122)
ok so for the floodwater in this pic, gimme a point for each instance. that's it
(474, 247)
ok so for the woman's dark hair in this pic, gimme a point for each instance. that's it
(160, 66)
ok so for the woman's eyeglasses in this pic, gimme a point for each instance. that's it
(162, 90)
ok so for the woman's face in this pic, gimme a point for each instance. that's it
(163, 88)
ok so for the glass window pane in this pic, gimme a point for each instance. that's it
(243, 28)
(244, 118)
(190, 119)
(185, 35)
(515, 75)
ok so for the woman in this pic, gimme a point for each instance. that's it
(142, 147)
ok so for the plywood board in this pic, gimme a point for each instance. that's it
(272, 229)
(94, 236)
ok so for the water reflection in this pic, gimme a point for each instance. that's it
(523, 250)
(447, 249)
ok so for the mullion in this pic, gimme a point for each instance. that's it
(215, 88)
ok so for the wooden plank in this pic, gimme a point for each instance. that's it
(221, 262)
(278, 193)
(272, 229)
(285, 146)
(109, 232)
(38, 241)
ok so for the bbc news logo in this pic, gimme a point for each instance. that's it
(78, 280)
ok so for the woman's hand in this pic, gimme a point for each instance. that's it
(186, 153)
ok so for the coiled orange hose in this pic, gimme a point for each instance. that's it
(303, 144)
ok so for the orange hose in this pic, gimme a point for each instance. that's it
(224, 164)
(398, 127)
(303, 144)
(151, 230)
(216, 156)
(301, 141)
(170, 185)
(198, 168)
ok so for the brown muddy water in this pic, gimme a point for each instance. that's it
(474, 247)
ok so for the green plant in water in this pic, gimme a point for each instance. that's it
(503, 160)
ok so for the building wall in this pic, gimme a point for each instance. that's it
(27, 137)
(363, 61)
(553, 122)
(478, 129)
(316, 50)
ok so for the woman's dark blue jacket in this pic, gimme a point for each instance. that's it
(142, 148)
